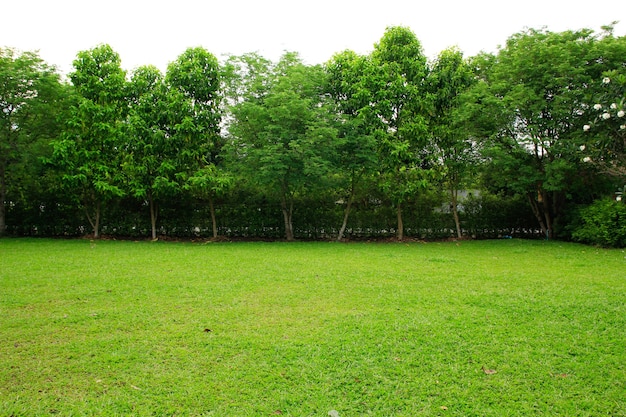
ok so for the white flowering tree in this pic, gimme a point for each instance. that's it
(605, 133)
(602, 222)
(533, 96)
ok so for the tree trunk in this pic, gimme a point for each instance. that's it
(287, 215)
(345, 215)
(537, 212)
(400, 231)
(547, 214)
(454, 201)
(95, 220)
(3, 197)
(96, 232)
(153, 216)
(213, 221)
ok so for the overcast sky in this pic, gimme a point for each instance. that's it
(156, 32)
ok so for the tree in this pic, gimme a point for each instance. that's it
(537, 81)
(355, 156)
(247, 77)
(210, 182)
(89, 152)
(280, 136)
(29, 93)
(603, 143)
(151, 152)
(196, 75)
(450, 78)
(400, 107)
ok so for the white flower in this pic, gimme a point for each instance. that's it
(620, 113)
(586, 128)
(613, 106)
(586, 159)
(583, 147)
(597, 106)
(606, 116)
(606, 80)
(623, 127)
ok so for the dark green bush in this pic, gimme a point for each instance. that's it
(602, 223)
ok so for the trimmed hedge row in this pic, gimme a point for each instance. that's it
(254, 217)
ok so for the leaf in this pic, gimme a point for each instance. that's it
(489, 371)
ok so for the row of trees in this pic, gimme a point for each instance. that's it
(543, 119)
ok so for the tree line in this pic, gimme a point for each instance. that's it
(526, 140)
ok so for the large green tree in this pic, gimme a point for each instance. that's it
(450, 78)
(538, 79)
(90, 151)
(356, 159)
(280, 136)
(173, 130)
(196, 75)
(400, 107)
(31, 100)
(150, 151)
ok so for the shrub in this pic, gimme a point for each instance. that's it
(603, 223)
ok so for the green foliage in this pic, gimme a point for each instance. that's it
(32, 100)
(172, 129)
(89, 152)
(375, 143)
(282, 139)
(602, 223)
(449, 81)
(99, 77)
(195, 74)
(356, 159)
(399, 115)
(152, 151)
(604, 138)
(538, 80)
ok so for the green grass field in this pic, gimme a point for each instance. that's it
(485, 328)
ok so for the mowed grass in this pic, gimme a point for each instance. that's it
(486, 328)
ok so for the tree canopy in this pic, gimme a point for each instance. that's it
(387, 143)
(31, 100)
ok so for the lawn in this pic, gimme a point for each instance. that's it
(477, 328)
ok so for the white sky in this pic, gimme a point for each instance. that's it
(156, 32)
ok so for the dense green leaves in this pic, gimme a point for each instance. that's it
(286, 148)
(151, 152)
(281, 138)
(173, 128)
(448, 84)
(89, 152)
(400, 108)
(356, 159)
(32, 100)
(603, 223)
(539, 79)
